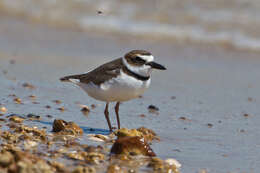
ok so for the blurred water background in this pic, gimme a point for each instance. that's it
(231, 23)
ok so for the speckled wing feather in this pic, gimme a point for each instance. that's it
(100, 74)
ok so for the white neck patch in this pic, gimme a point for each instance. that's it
(144, 70)
(147, 58)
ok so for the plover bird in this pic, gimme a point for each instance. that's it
(120, 80)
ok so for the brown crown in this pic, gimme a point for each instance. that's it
(132, 57)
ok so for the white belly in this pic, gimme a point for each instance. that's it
(121, 88)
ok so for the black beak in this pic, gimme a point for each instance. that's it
(156, 65)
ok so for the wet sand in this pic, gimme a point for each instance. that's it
(203, 126)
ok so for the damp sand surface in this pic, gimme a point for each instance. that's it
(208, 98)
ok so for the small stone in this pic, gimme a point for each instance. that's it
(75, 156)
(69, 128)
(94, 157)
(16, 119)
(33, 117)
(114, 169)
(123, 132)
(17, 100)
(28, 144)
(132, 146)
(93, 106)
(84, 169)
(142, 115)
(85, 110)
(203, 171)
(32, 97)
(3, 109)
(182, 118)
(159, 165)
(48, 106)
(246, 115)
(153, 108)
(250, 99)
(6, 158)
(175, 162)
(98, 137)
(29, 86)
(148, 134)
(242, 131)
(49, 116)
(62, 109)
(2, 120)
(142, 132)
(173, 97)
(60, 167)
(210, 125)
(57, 101)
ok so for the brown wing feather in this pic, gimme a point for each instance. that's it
(100, 74)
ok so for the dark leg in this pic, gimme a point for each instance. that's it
(107, 116)
(117, 115)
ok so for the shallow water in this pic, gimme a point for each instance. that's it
(212, 85)
(233, 22)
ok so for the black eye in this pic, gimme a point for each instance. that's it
(140, 60)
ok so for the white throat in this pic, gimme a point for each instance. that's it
(144, 70)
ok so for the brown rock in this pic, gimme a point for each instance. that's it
(66, 128)
(17, 100)
(142, 132)
(57, 101)
(62, 109)
(85, 110)
(148, 134)
(16, 119)
(3, 109)
(161, 166)
(115, 169)
(32, 97)
(132, 146)
(84, 169)
(6, 158)
(75, 156)
(34, 117)
(28, 85)
(94, 157)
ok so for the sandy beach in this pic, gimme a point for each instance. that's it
(208, 98)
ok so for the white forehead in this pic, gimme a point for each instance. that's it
(147, 58)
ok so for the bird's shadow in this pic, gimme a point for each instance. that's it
(87, 130)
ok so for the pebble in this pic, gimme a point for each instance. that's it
(153, 108)
(57, 101)
(85, 109)
(132, 145)
(16, 119)
(175, 162)
(246, 115)
(6, 158)
(32, 96)
(210, 125)
(62, 109)
(17, 100)
(48, 106)
(3, 109)
(33, 117)
(27, 85)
